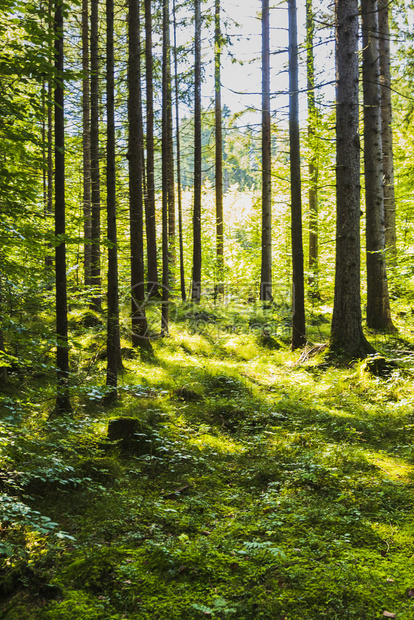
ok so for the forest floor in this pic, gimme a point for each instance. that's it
(257, 483)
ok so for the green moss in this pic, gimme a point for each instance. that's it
(278, 491)
(79, 605)
(93, 569)
(100, 469)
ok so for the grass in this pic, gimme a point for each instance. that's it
(268, 489)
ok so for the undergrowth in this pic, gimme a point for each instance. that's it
(253, 487)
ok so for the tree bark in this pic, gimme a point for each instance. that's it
(44, 145)
(95, 174)
(298, 289)
(196, 279)
(86, 144)
(140, 336)
(313, 165)
(62, 348)
(178, 149)
(378, 306)
(266, 269)
(347, 338)
(218, 150)
(113, 347)
(170, 156)
(50, 171)
(3, 369)
(150, 220)
(386, 130)
(165, 169)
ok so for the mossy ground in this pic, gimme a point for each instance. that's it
(271, 489)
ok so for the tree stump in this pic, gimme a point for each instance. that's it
(132, 435)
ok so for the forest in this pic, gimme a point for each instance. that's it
(206, 310)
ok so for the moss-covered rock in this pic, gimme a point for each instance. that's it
(376, 366)
(131, 435)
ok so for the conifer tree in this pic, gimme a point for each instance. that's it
(298, 293)
(178, 150)
(347, 338)
(386, 129)
(62, 349)
(95, 172)
(218, 148)
(378, 305)
(196, 277)
(150, 219)
(266, 269)
(167, 168)
(313, 165)
(113, 340)
(86, 144)
(139, 320)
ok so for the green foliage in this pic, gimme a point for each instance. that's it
(282, 489)
(79, 605)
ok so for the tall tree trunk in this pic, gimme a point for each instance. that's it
(150, 220)
(218, 150)
(86, 144)
(313, 164)
(196, 279)
(178, 149)
(347, 338)
(50, 171)
(50, 174)
(113, 347)
(44, 145)
(298, 290)
(266, 271)
(170, 157)
(378, 306)
(140, 336)
(95, 175)
(62, 349)
(166, 166)
(386, 129)
(3, 369)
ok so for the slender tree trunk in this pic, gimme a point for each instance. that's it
(347, 338)
(62, 349)
(266, 272)
(86, 144)
(49, 175)
(144, 168)
(166, 102)
(298, 289)
(44, 146)
(386, 129)
(177, 126)
(50, 170)
(3, 369)
(378, 306)
(95, 175)
(170, 157)
(219, 151)
(150, 219)
(113, 346)
(140, 336)
(313, 164)
(196, 280)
